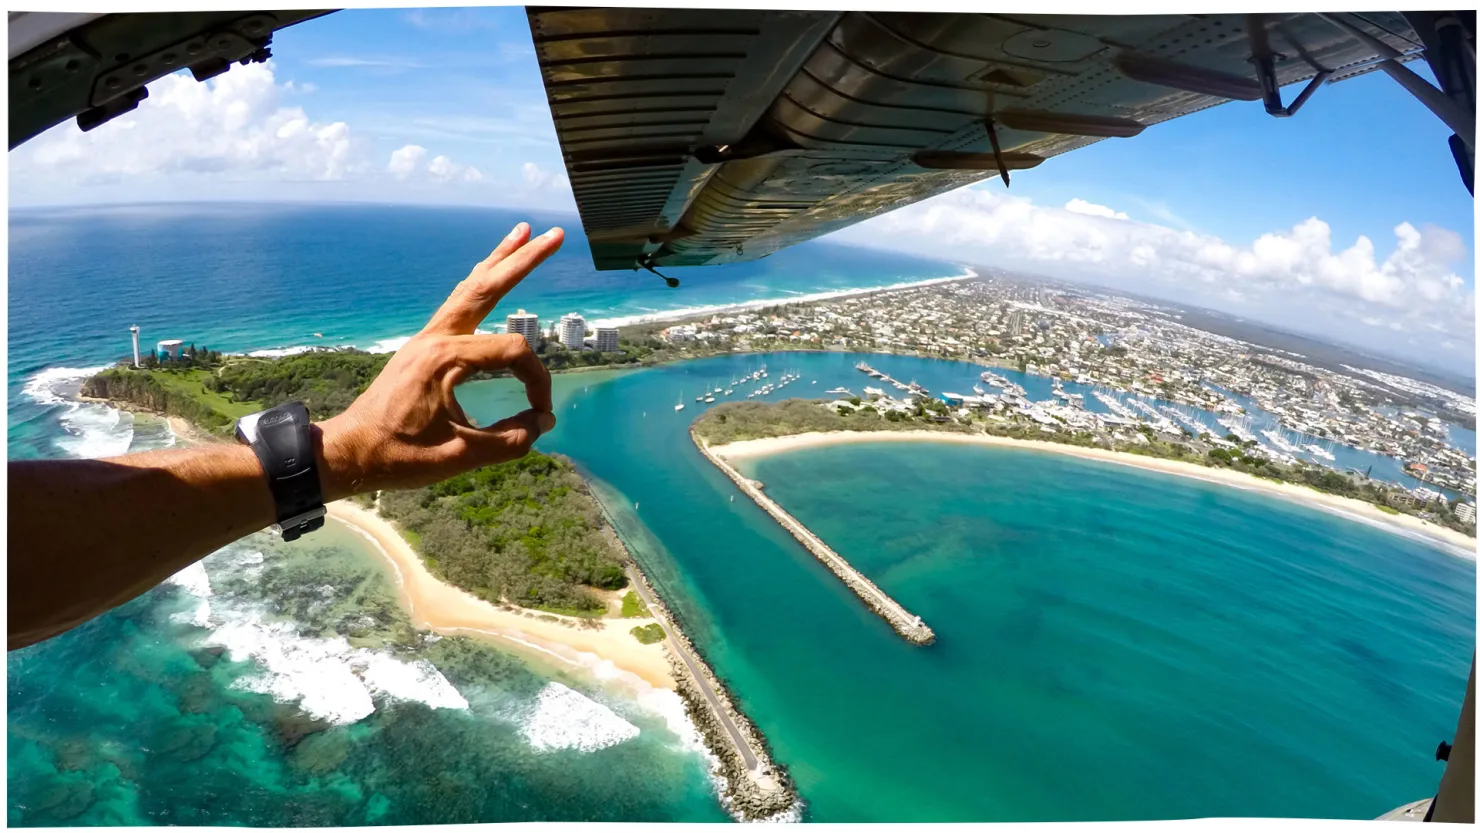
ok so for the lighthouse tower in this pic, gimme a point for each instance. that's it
(135, 330)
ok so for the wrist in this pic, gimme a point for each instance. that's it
(342, 472)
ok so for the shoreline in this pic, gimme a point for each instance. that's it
(1451, 541)
(442, 608)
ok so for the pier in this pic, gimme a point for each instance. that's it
(906, 624)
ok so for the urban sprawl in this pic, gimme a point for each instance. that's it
(1155, 377)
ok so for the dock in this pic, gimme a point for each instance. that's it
(905, 623)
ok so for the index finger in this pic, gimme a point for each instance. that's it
(507, 352)
(475, 297)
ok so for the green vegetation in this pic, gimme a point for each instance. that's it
(213, 393)
(736, 421)
(526, 532)
(648, 634)
(633, 607)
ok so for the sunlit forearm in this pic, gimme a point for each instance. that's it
(88, 535)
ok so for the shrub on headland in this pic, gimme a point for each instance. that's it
(527, 532)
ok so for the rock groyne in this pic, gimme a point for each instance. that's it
(906, 624)
(753, 787)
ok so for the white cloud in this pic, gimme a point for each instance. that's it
(1079, 206)
(355, 61)
(443, 169)
(1298, 276)
(406, 164)
(538, 178)
(232, 124)
(403, 162)
(231, 129)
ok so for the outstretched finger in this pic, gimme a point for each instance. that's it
(507, 352)
(477, 296)
(443, 320)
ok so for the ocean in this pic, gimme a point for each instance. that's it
(1113, 644)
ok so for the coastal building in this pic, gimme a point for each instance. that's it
(573, 330)
(606, 339)
(526, 324)
(134, 330)
(1465, 512)
(169, 349)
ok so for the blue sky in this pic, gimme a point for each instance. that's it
(1227, 208)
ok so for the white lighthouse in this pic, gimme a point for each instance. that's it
(135, 330)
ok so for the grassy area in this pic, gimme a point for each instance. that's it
(632, 606)
(648, 634)
(1388, 509)
(191, 383)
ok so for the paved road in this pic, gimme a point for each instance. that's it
(738, 740)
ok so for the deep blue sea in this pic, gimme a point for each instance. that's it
(1113, 644)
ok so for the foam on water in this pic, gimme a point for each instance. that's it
(91, 430)
(562, 718)
(327, 677)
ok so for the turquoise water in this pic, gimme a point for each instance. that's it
(1112, 644)
(283, 685)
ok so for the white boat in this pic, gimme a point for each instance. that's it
(839, 392)
(699, 398)
(729, 391)
(709, 398)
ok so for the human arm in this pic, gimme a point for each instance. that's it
(88, 535)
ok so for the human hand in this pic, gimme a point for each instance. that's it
(407, 430)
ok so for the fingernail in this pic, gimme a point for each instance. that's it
(546, 421)
(552, 232)
(515, 232)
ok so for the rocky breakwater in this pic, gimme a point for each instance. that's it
(753, 787)
(906, 624)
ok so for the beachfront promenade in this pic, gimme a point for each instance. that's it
(905, 623)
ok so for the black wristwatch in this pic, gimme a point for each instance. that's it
(280, 437)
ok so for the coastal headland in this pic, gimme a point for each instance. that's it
(751, 786)
(1351, 508)
(905, 623)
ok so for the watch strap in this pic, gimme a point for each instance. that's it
(283, 442)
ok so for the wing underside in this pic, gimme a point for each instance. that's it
(705, 136)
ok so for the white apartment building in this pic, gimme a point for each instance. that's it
(573, 330)
(1465, 512)
(606, 339)
(526, 324)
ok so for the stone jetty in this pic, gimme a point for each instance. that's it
(906, 624)
(753, 787)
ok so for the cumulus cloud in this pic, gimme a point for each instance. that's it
(537, 178)
(1079, 206)
(232, 128)
(1300, 275)
(234, 123)
(406, 163)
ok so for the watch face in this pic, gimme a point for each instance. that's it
(280, 433)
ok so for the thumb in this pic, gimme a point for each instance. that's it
(512, 437)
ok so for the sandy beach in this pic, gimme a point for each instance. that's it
(448, 610)
(1455, 542)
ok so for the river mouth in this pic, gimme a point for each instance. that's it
(1078, 610)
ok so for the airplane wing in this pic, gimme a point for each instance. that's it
(96, 66)
(706, 136)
